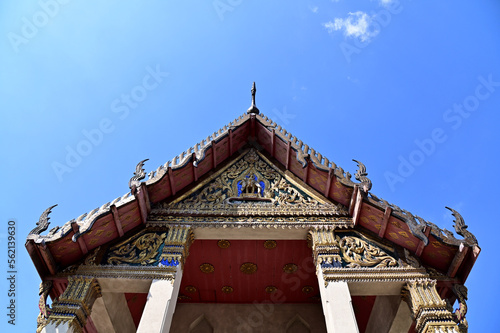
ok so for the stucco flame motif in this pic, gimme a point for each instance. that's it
(43, 222)
(361, 176)
(461, 228)
(139, 175)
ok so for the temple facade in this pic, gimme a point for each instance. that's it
(251, 230)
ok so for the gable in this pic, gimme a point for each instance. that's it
(250, 185)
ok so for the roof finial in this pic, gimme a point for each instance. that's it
(253, 109)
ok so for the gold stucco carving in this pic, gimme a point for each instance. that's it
(359, 253)
(141, 249)
(74, 306)
(430, 312)
(248, 268)
(250, 187)
(290, 268)
(207, 268)
(176, 246)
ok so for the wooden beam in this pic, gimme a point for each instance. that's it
(116, 219)
(195, 168)
(421, 245)
(171, 180)
(79, 240)
(357, 207)
(48, 258)
(252, 125)
(273, 141)
(353, 200)
(457, 260)
(214, 157)
(385, 221)
(288, 148)
(329, 182)
(231, 148)
(141, 201)
(306, 170)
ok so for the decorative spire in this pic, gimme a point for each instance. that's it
(253, 109)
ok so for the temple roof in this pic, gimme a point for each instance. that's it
(436, 248)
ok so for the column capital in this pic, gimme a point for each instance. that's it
(325, 247)
(430, 312)
(74, 306)
(176, 246)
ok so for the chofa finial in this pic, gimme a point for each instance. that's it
(253, 109)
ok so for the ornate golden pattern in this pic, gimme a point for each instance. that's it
(227, 289)
(74, 305)
(270, 244)
(325, 247)
(250, 187)
(271, 289)
(248, 268)
(429, 310)
(191, 289)
(207, 268)
(359, 253)
(176, 246)
(223, 244)
(254, 222)
(290, 268)
(139, 249)
(307, 289)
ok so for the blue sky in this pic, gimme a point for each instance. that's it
(410, 88)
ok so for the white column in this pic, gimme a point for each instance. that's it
(61, 328)
(111, 313)
(160, 306)
(337, 306)
(403, 320)
(383, 313)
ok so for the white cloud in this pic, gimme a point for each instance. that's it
(355, 25)
(314, 9)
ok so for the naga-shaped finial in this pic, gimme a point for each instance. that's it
(366, 183)
(43, 222)
(461, 292)
(461, 228)
(45, 310)
(139, 174)
(253, 109)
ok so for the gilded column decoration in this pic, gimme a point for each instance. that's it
(74, 306)
(430, 312)
(176, 246)
(325, 248)
(333, 251)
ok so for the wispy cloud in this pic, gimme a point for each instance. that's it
(314, 9)
(355, 25)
